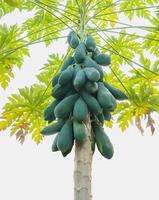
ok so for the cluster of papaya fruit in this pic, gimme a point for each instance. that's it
(79, 93)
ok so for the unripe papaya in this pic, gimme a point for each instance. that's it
(73, 39)
(103, 143)
(66, 75)
(90, 43)
(105, 98)
(100, 117)
(68, 62)
(91, 87)
(92, 103)
(49, 112)
(77, 67)
(65, 107)
(88, 62)
(60, 91)
(102, 59)
(118, 94)
(92, 74)
(54, 145)
(95, 53)
(80, 111)
(66, 139)
(79, 130)
(107, 115)
(100, 70)
(79, 80)
(54, 128)
(80, 53)
(55, 79)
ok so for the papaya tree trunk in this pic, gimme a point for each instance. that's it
(83, 152)
(83, 167)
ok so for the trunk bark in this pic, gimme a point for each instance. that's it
(83, 167)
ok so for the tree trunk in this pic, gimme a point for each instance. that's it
(83, 167)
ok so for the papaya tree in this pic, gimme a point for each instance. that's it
(109, 74)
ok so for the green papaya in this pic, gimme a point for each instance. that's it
(91, 87)
(54, 128)
(79, 80)
(95, 53)
(107, 115)
(92, 103)
(103, 143)
(88, 62)
(77, 67)
(118, 94)
(103, 59)
(66, 75)
(54, 145)
(55, 79)
(66, 139)
(80, 111)
(100, 118)
(49, 112)
(65, 107)
(90, 43)
(68, 62)
(79, 130)
(100, 70)
(73, 39)
(105, 98)
(60, 91)
(92, 74)
(80, 53)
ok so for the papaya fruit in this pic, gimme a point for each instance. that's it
(91, 87)
(54, 128)
(54, 145)
(71, 92)
(90, 43)
(103, 143)
(79, 80)
(49, 112)
(95, 53)
(77, 67)
(65, 138)
(92, 74)
(107, 115)
(66, 75)
(68, 62)
(80, 111)
(59, 91)
(73, 39)
(103, 59)
(92, 103)
(100, 70)
(105, 98)
(80, 53)
(100, 118)
(79, 130)
(55, 79)
(65, 107)
(89, 62)
(118, 94)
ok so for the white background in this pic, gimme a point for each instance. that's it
(32, 172)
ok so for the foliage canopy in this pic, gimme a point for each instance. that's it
(132, 47)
